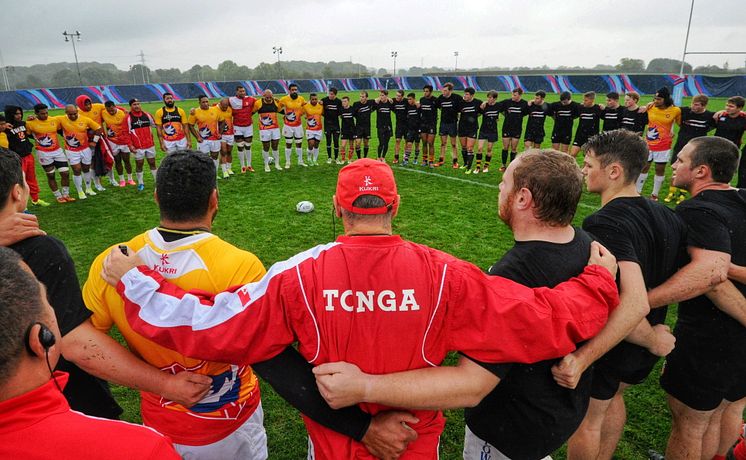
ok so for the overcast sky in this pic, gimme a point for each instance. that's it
(485, 33)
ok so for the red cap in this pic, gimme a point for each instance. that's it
(366, 177)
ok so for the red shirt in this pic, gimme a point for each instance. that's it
(40, 425)
(243, 109)
(139, 126)
(380, 302)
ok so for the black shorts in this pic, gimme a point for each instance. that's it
(581, 138)
(401, 129)
(625, 363)
(329, 130)
(561, 137)
(347, 134)
(512, 131)
(467, 131)
(704, 369)
(412, 135)
(384, 131)
(489, 137)
(56, 165)
(362, 132)
(427, 129)
(537, 137)
(447, 129)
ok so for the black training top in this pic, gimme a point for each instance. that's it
(332, 109)
(362, 112)
(449, 108)
(490, 115)
(633, 120)
(612, 118)
(469, 114)
(18, 139)
(528, 415)
(428, 111)
(564, 115)
(731, 128)
(537, 115)
(383, 118)
(413, 117)
(51, 263)
(514, 112)
(649, 234)
(589, 119)
(693, 125)
(347, 115)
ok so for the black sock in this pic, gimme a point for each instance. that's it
(365, 151)
(454, 161)
(465, 156)
(357, 152)
(505, 157)
(513, 155)
(469, 159)
(328, 145)
(487, 160)
(479, 160)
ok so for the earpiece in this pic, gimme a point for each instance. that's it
(46, 337)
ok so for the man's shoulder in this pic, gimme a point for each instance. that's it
(42, 247)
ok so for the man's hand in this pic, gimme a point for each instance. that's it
(117, 264)
(567, 372)
(601, 256)
(664, 341)
(186, 388)
(341, 384)
(18, 227)
(388, 434)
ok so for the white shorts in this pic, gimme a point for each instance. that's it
(47, 158)
(659, 157)
(118, 148)
(313, 134)
(245, 131)
(267, 135)
(479, 449)
(208, 146)
(228, 139)
(145, 153)
(290, 132)
(248, 442)
(81, 156)
(172, 146)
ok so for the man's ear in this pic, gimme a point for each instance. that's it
(337, 209)
(523, 198)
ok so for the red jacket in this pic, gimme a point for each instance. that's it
(40, 425)
(380, 302)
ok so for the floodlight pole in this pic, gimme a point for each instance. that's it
(70, 37)
(455, 65)
(394, 54)
(278, 51)
(686, 41)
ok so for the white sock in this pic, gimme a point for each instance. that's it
(215, 162)
(276, 154)
(265, 154)
(66, 190)
(299, 152)
(139, 177)
(57, 193)
(78, 181)
(154, 173)
(129, 176)
(87, 178)
(242, 157)
(641, 181)
(657, 183)
(97, 180)
(288, 154)
(315, 154)
(122, 177)
(247, 152)
(111, 175)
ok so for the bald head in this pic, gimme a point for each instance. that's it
(267, 94)
(71, 111)
(224, 104)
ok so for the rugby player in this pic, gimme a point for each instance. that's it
(428, 120)
(662, 116)
(117, 136)
(292, 128)
(313, 112)
(633, 119)
(589, 115)
(448, 103)
(347, 133)
(362, 110)
(487, 131)
(49, 152)
(139, 124)
(227, 137)
(269, 128)
(332, 106)
(564, 113)
(731, 124)
(468, 122)
(170, 124)
(412, 136)
(537, 115)
(514, 109)
(205, 123)
(400, 104)
(384, 106)
(242, 107)
(78, 149)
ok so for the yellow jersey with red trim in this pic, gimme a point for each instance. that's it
(96, 112)
(45, 133)
(267, 114)
(206, 122)
(293, 109)
(313, 116)
(200, 262)
(660, 127)
(171, 122)
(116, 127)
(76, 132)
(226, 116)
(4, 140)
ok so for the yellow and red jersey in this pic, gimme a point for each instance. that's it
(206, 122)
(95, 114)
(660, 127)
(116, 127)
(293, 109)
(226, 116)
(267, 114)
(243, 109)
(139, 125)
(4, 140)
(206, 263)
(45, 133)
(171, 122)
(313, 116)
(76, 132)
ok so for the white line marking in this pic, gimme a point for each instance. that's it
(467, 181)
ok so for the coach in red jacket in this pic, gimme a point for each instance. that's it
(372, 299)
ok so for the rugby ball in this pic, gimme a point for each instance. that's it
(304, 207)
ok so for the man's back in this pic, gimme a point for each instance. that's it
(40, 425)
(202, 261)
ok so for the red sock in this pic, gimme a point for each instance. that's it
(740, 451)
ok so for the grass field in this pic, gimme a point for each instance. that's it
(442, 208)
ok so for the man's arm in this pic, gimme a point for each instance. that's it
(729, 300)
(633, 307)
(735, 272)
(100, 355)
(18, 227)
(706, 270)
(448, 387)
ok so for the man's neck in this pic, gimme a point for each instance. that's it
(24, 379)
(633, 108)
(364, 229)
(202, 224)
(540, 231)
(623, 191)
(700, 187)
(9, 209)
